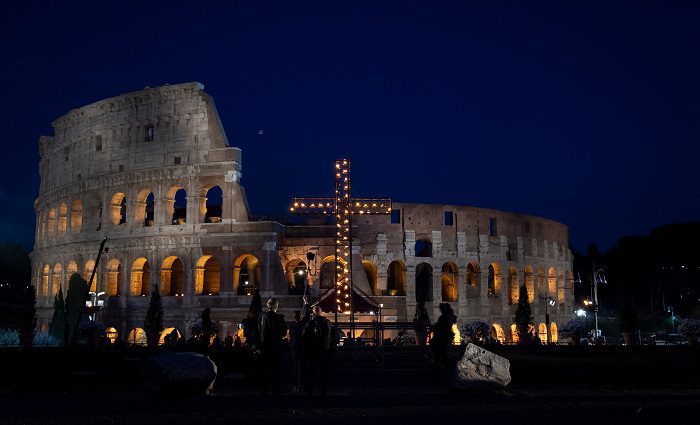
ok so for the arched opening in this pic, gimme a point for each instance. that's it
(51, 223)
(371, 272)
(424, 248)
(329, 269)
(246, 274)
(494, 279)
(172, 277)
(145, 207)
(113, 278)
(449, 282)
(137, 336)
(111, 334)
(514, 333)
(497, 333)
(179, 214)
(76, 216)
(471, 276)
(117, 209)
(554, 332)
(396, 279)
(140, 277)
(57, 279)
(207, 276)
(169, 337)
(87, 272)
(542, 333)
(71, 268)
(552, 283)
(296, 277)
(45, 280)
(530, 284)
(62, 220)
(513, 286)
(424, 282)
(213, 201)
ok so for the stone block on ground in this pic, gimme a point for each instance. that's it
(182, 373)
(480, 368)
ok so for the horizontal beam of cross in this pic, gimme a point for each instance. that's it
(326, 206)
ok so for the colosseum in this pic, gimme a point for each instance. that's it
(154, 172)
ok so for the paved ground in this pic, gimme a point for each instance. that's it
(372, 406)
(591, 387)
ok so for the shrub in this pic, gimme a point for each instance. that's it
(574, 328)
(44, 339)
(523, 316)
(405, 339)
(9, 338)
(477, 330)
(689, 328)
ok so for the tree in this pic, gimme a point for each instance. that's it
(153, 325)
(27, 319)
(57, 330)
(523, 317)
(75, 307)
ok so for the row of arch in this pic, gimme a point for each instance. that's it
(137, 336)
(207, 276)
(547, 283)
(497, 333)
(61, 220)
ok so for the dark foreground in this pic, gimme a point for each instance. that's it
(599, 386)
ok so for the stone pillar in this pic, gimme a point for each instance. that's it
(381, 280)
(437, 292)
(437, 243)
(484, 289)
(410, 292)
(227, 272)
(189, 264)
(162, 213)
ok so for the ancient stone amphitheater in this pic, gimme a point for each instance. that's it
(154, 172)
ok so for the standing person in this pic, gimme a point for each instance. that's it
(316, 350)
(442, 340)
(295, 331)
(272, 330)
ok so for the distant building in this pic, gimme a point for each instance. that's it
(153, 170)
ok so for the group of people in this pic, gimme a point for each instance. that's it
(312, 343)
(312, 340)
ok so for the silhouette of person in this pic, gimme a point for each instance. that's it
(316, 350)
(442, 340)
(272, 330)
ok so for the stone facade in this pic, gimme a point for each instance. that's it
(153, 171)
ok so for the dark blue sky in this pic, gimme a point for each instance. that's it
(586, 114)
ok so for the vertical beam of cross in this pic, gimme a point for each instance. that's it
(342, 207)
(343, 237)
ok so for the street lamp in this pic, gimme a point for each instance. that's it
(95, 305)
(549, 301)
(673, 320)
(596, 278)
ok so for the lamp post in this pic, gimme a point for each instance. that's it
(596, 278)
(548, 301)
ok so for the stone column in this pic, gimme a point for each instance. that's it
(227, 272)
(437, 292)
(381, 280)
(484, 289)
(189, 264)
(410, 292)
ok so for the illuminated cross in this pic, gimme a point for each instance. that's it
(343, 207)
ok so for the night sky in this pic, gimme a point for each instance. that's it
(585, 114)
